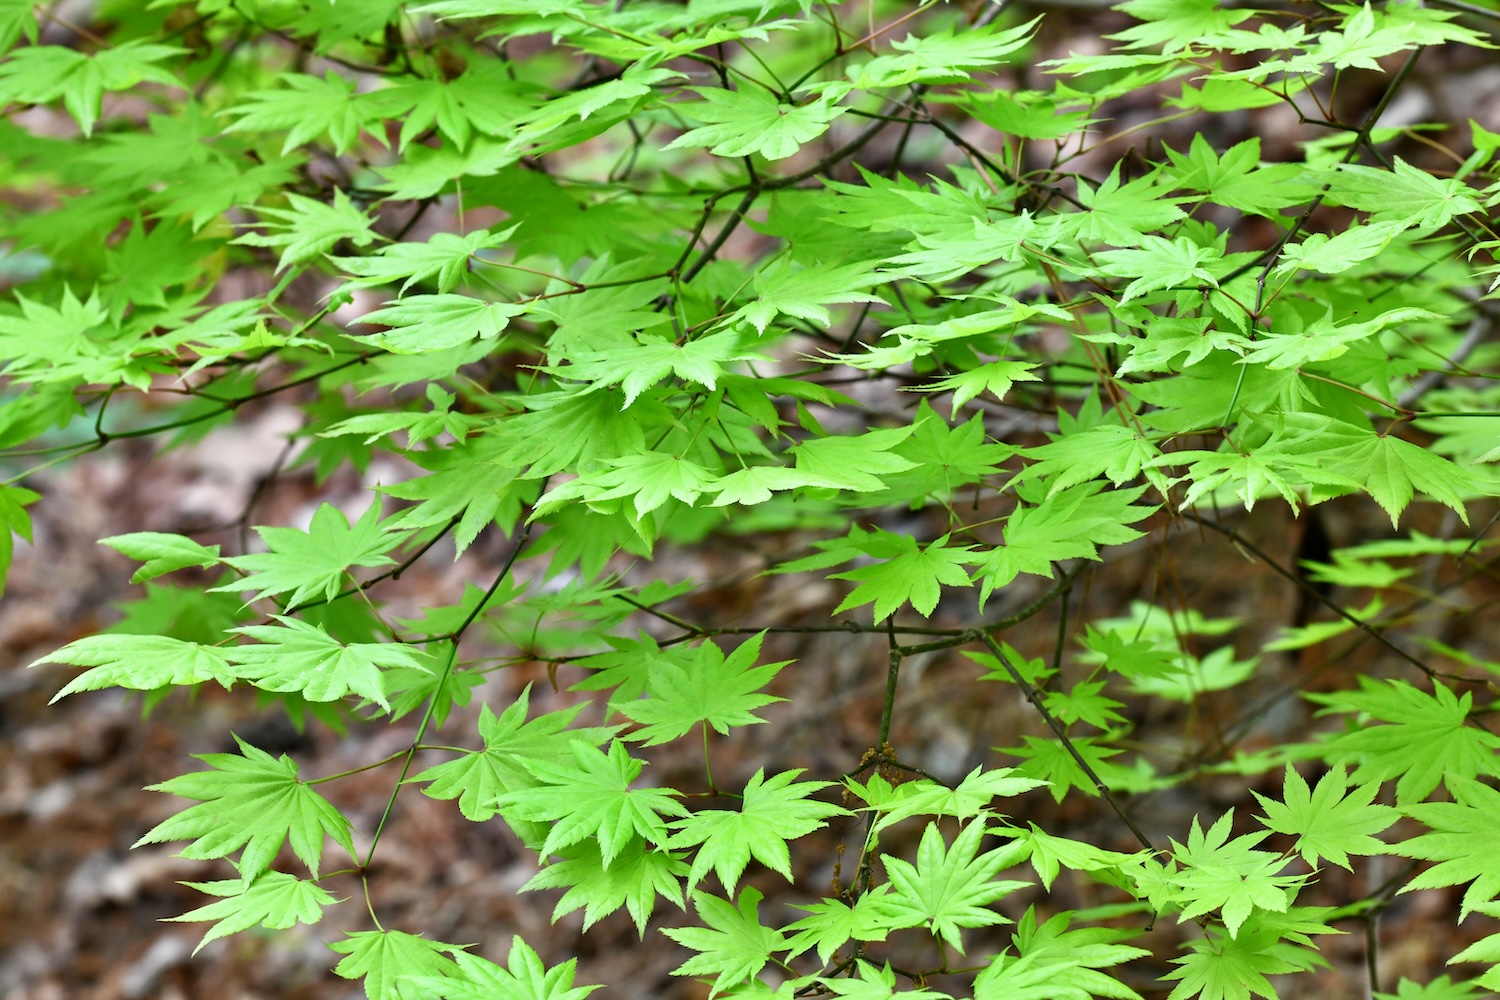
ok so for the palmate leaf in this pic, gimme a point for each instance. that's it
(649, 478)
(1054, 962)
(833, 923)
(807, 292)
(1229, 875)
(853, 462)
(469, 480)
(297, 656)
(446, 257)
(309, 228)
(421, 323)
(950, 888)
(995, 377)
(870, 983)
(250, 800)
(1160, 264)
(1328, 823)
(140, 663)
(752, 120)
(1463, 836)
(1070, 524)
(909, 574)
(1235, 968)
(13, 521)
(773, 811)
(943, 56)
(478, 779)
(634, 879)
(314, 562)
(392, 962)
(39, 74)
(161, 553)
(641, 362)
(306, 107)
(524, 977)
(966, 800)
(591, 797)
(274, 900)
(710, 688)
(732, 946)
(1425, 740)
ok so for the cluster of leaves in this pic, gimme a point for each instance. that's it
(709, 216)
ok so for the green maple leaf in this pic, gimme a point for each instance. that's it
(1049, 855)
(950, 888)
(306, 107)
(909, 574)
(633, 879)
(1063, 962)
(650, 478)
(250, 800)
(17, 18)
(445, 257)
(391, 961)
(161, 553)
(1336, 254)
(1248, 475)
(755, 485)
(1237, 179)
(628, 668)
(274, 900)
(39, 74)
(1049, 761)
(732, 947)
(479, 778)
(310, 228)
(1234, 968)
(710, 688)
(853, 462)
(806, 292)
(470, 481)
(1114, 451)
(1160, 264)
(1321, 340)
(1120, 214)
(1070, 524)
(1425, 739)
(571, 430)
(1328, 823)
(772, 812)
(140, 663)
(744, 122)
(424, 323)
(871, 983)
(642, 362)
(1392, 470)
(1463, 837)
(943, 56)
(297, 656)
(480, 100)
(833, 923)
(1443, 988)
(966, 800)
(995, 377)
(1176, 24)
(13, 521)
(1406, 194)
(314, 562)
(1228, 875)
(948, 458)
(591, 797)
(524, 977)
